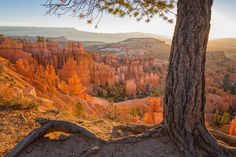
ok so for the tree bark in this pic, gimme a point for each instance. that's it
(185, 85)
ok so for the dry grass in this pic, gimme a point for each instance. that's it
(18, 103)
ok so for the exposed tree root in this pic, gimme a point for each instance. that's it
(208, 143)
(205, 141)
(138, 129)
(131, 129)
(228, 139)
(51, 126)
(90, 152)
(151, 132)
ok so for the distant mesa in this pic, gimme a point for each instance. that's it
(73, 34)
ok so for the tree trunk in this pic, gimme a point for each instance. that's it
(185, 85)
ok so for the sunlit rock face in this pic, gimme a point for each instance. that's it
(82, 69)
(39, 51)
(143, 70)
(62, 76)
(75, 87)
(51, 75)
(52, 53)
(155, 113)
(95, 71)
(130, 87)
(69, 68)
(232, 128)
(74, 48)
(151, 110)
(13, 50)
(46, 53)
(85, 65)
(65, 74)
(63, 87)
(103, 75)
(25, 68)
(148, 80)
(153, 118)
(46, 79)
(155, 104)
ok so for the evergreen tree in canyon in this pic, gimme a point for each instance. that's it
(184, 99)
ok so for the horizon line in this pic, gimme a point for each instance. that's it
(58, 27)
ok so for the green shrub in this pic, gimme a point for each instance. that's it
(135, 112)
(40, 39)
(225, 118)
(221, 119)
(79, 109)
(217, 118)
(157, 92)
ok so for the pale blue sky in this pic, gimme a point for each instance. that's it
(31, 13)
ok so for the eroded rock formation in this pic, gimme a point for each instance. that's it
(155, 113)
(13, 50)
(232, 128)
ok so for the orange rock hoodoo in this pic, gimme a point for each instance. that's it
(130, 87)
(69, 68)
(122, 69)
(155, 114)
(75, 87)
(13, 50)
(93, 70)
(55, 69)
(232, 128)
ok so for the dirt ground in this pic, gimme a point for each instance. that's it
(109, 138)
(76, 146)
(15, 125)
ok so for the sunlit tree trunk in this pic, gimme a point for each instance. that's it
(185, 85)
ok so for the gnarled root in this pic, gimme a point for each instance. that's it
(139, 129)
(156, 131)
(205, 143)
(50, 126)
(211, 146)
(228, 139)
(90, 152)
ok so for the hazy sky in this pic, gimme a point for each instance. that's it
(31, 13)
